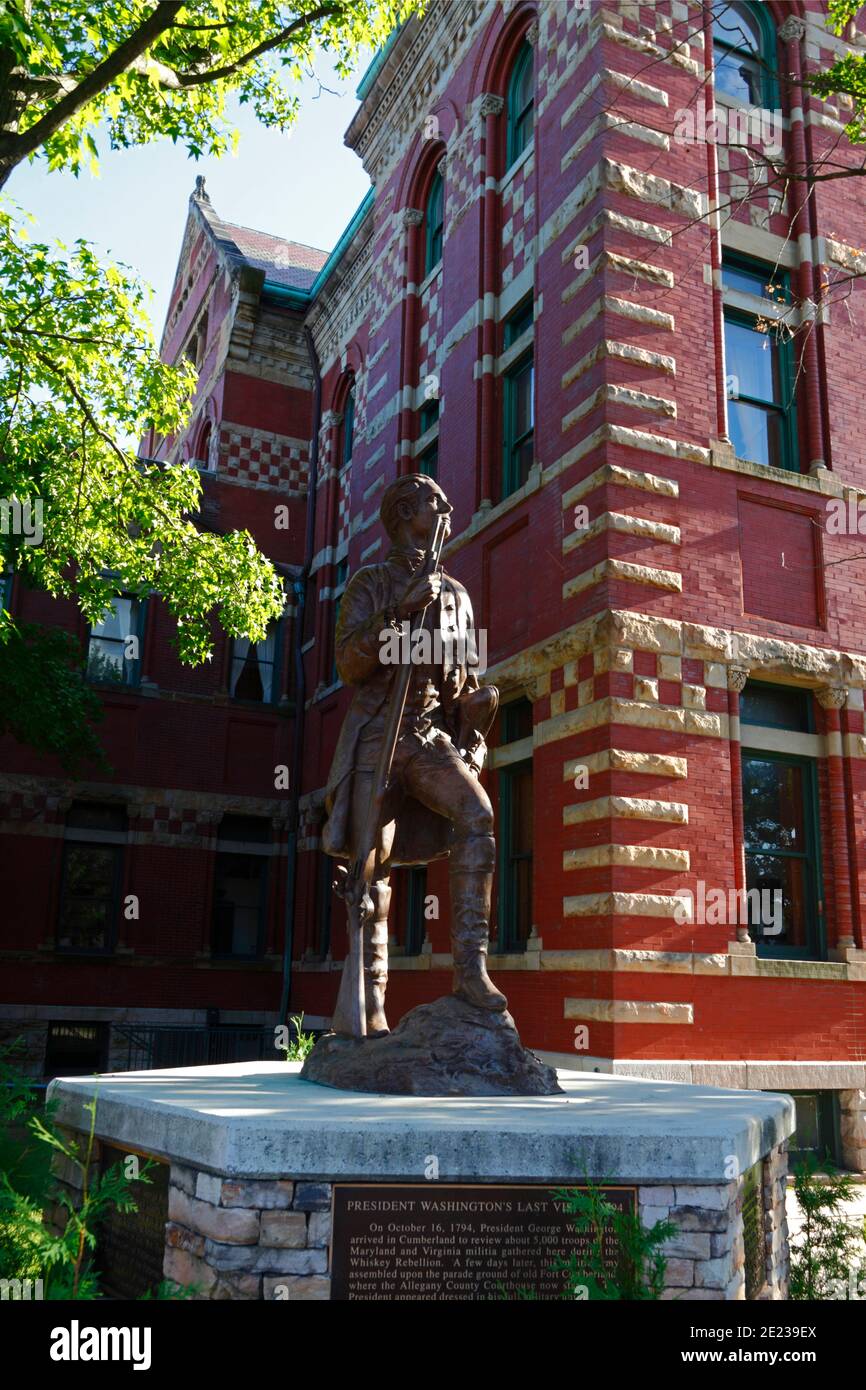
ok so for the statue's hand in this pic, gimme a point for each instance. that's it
(421, 592)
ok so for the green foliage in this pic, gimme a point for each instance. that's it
(847, 75)
(301, 1044)
(640, 1265)
(30, 1249)
(136, 71)
(830, 1245)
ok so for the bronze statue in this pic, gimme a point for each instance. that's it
(404, 784)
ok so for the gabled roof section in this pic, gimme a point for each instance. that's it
(288, 263)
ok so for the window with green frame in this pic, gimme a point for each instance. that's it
(520, 104)
(91, 877)
(240, 886)
(114, 643)
(434, 223)
(349, 425)
(817, 1134)
(428, 460)
(518, 404)
(744, 54)
(759, 362)
(514, 840)
(416, 894)
(782, 827)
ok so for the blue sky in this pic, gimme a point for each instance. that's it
(305, 186)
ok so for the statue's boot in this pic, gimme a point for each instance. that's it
(375, 971)
(471, 866)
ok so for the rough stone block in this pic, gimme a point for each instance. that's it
(319, 1229)
(680, 1274)
(284, 1229)
(270, 1261)
(238, 1227)
(183, 1177)
(236, 1287)
(710, 1197)
(656, 1196)
(312, 1196)
(650, 1215)
(208, 1188)
(699, 1219)
(267, 1196)
(281, 1287)
(179, 1238)
(688, 1245)
(713, 1274)
(187, 1269)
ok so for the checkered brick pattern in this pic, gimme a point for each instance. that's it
(24, 807)
(518, 221)
(562, 28)
(263, 460)
(430, 331)
(743, 187)
(343, 507)
(464, 172)
(388, 273)
(153, 819)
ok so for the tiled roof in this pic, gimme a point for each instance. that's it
(284, 262)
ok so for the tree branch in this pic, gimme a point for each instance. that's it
(197, 79)
(15, 147)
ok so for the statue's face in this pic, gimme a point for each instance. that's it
(432, 503)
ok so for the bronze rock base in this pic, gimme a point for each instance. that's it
(448, 1048)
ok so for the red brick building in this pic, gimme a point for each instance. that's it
(568, 297)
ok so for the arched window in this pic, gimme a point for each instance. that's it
(520, 102)
(743, 55)
(349, 425)
(202, 449)
(434, 217)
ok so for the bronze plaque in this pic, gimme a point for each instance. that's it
(458, 1241)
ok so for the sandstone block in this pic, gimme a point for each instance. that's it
(258, 1193)
(281, 1287)
(284, 1229)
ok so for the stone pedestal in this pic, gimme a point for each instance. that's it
(254, 1152)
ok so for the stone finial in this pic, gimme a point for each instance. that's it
(793, 28)
(832, 696)
(200, 193)
(532, 33)
(412, 217)
(491, 105)
(737, 677)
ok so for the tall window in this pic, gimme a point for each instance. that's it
(759, 362)
(254, 667)
(202, 448)
(518, 402)
(113, 648)
(780, 812)
(520, 104)
(427, 462)
(91, 877)
(434, 221)
(240, 886)
(349, 426)
(743, 56)
(514, 841)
